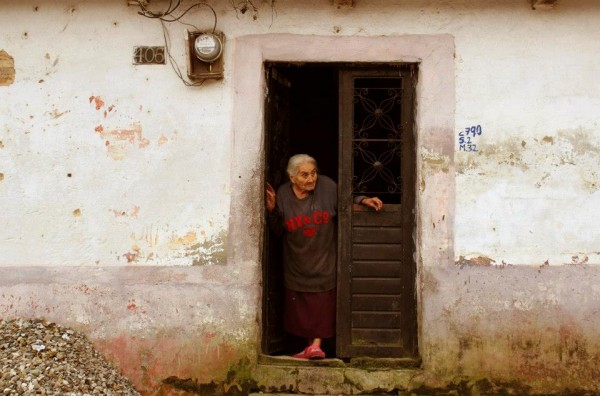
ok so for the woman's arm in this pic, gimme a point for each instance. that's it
(373, 202)
(273, 215)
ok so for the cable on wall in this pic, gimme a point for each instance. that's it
(169, 16)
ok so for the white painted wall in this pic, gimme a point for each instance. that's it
(529, 80)
(521, 80)
(527, 77)
(155, 194)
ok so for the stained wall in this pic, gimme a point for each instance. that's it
(132, 202)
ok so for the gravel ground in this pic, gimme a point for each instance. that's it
(43, 358)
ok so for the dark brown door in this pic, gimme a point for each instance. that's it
(376, 268)
(277, 152)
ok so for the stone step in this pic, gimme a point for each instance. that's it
(285, 375)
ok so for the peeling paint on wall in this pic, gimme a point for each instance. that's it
(582, 141)
(189, 248)
(431, 163)
(118, 141)
(149, 236)
(477, 261)
(124, 213)
(97, 101)
(189, 239)
(162, 140)
(576, 260)
(133, 256)
(547, 139)
(436, 162)
(509, 153)
(566, 147)
(209, 251)
(7, 69)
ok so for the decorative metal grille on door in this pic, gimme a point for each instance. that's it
(376, 138)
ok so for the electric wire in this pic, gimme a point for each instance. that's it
(173, 62)
(168, 16)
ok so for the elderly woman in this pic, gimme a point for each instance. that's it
(305, 209)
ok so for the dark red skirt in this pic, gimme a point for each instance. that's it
(310, 315)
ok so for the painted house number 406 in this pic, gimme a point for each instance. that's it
(466, 138)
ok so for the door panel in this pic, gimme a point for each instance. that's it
(378, 286)
(388, 269)
(376, 337)
(376, 268)
(375, 251)
(375, 320)
(363, 216)
(376, 234)
(365, 302)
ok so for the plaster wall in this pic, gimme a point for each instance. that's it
(133, 204)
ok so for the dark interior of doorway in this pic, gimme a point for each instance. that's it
(311, 127)
(314, 114)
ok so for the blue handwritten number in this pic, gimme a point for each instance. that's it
(464, 138)
(473, 131)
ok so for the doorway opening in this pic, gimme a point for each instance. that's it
(357, 122)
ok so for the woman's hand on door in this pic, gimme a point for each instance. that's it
(374, 203)
(271, 198)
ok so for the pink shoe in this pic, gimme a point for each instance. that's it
(310, 352)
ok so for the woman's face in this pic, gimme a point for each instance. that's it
(306, 177)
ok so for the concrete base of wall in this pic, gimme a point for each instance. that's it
(333, 377)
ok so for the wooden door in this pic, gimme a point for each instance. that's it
(376, 267)
(277, 152)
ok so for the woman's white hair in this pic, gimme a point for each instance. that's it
(297, 160)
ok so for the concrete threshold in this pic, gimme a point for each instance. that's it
(285, 375)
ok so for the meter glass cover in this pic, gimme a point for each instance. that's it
(208, 47)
